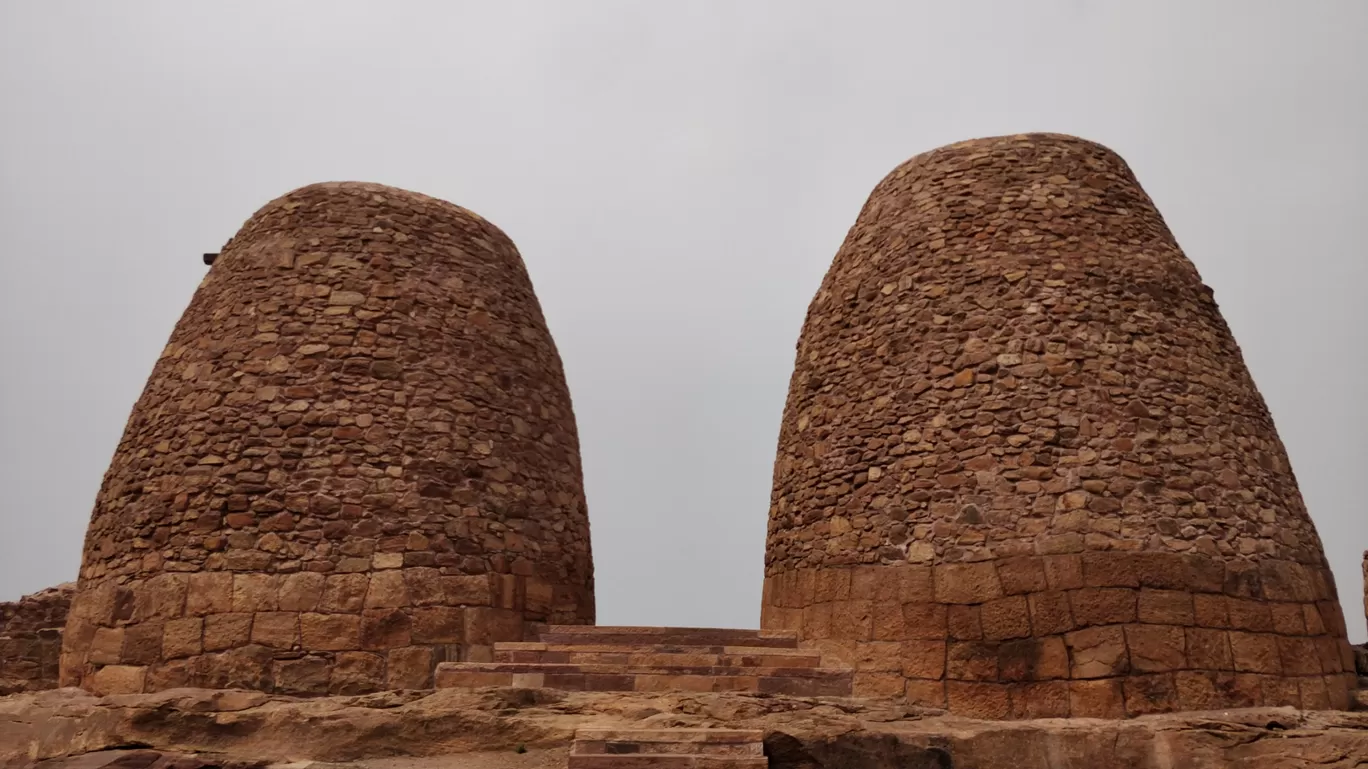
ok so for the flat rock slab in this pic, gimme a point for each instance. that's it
(484, 729)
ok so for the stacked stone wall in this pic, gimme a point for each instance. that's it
(1023, 470)
(356, 458)
(31, 639)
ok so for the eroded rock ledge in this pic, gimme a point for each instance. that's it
(254, 729)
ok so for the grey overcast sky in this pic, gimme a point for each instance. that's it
(678, 177)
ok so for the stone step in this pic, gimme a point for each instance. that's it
(802, 682)
(628, 635)
(667, 749)
(656, 655)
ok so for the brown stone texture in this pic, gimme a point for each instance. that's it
(489, 728)
(31, 639)
(355, 458)
(1015, 399)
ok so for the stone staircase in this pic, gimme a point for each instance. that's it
(644, 659)
(667, 749)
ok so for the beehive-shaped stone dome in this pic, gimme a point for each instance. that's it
(355, 458)
(1023, 470)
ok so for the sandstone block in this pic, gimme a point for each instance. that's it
(1298, 656)
(1023, 574)
(357, 673)
(330, 632)
(1097, 652)
(852, 620)
(1102, 606)
(1165, 607)
(467, 590)
(1157, 693)
(161, 597)
(243, 667)
(1050, 613)
(183, 637)
(1063, 572)
(967, 583)
(255, 592)
(971, 661)
(1156, 648)
(923, 620)
(1255, 652)
(964, 622)
(832, 585)
(1045, 699)
(276, 629)
(978, 700)
(209, 592)
(1006, 618)
(877, 685)
(876, 656)
(410, 668)
(143, 642)
(915, 584)
(923, 658)
(301, 592)
(383, 629)
(117, 679)
(1033, 659)
(387, 590)
(486, 625)
(1211, 611)
(344, 593)
(438, 624)
(926, 693)
(876, 583)
(307, 675)
(106, 648)
(886, 622)
(1101, 698)
(226, 631)
(1208, 649)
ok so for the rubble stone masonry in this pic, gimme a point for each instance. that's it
(355, 458)
(31, 639)
(1023, 471)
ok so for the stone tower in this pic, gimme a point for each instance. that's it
(1023, 470)
(355, 458)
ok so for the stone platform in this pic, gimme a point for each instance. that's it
(642, 659)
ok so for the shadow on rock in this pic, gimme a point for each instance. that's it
(852, 750)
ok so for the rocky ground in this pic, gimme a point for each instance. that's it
(531, 728)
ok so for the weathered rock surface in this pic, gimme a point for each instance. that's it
(31, 639)
(190, 728)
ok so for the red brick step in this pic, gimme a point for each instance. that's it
(656, 655)
(810, 682)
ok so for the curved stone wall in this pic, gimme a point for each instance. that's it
(1023, 470)
(355, 458)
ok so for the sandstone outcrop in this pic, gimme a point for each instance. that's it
(355, 458)
(473, 728)
(31, 639)
(1023, 470)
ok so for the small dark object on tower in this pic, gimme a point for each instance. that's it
(209, 258)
